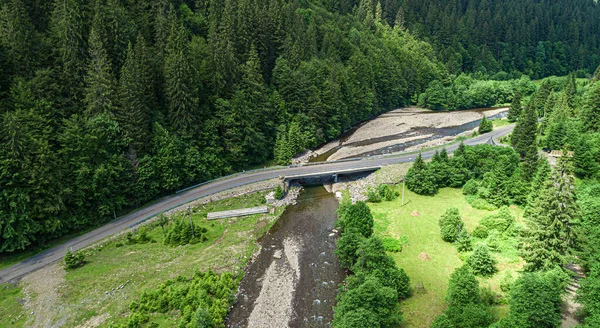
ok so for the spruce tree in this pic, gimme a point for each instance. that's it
(67, 31)
(100, 84)
(180, 86)
(524, 140)
(515, 108)
(17, 35)
(551, 235)
(463, 243)
(136, 96)
(591, 109)
(485, 126)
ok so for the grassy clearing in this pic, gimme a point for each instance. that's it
(11, 310)
(421, 234)
(117, 273)
(500, 123)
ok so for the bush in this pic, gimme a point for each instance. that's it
(470, 316)
(204, 300)
(139, 237)
(480, 204)
(463, 288)
(180, 233)
(470, 188)
(500, 221)
(373, 196)
(488, 296)
(278, 192)
(442, 321)
(493, 241)
(485, 126)
(481, 261)
(74, 260)
(450, 224)
(387, 193)
(481, 231)
(463, 243)
(535, 302)
(378, 303)
(392, 245)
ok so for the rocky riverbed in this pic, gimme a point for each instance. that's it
(400, 130)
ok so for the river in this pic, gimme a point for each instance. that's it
(293, 280)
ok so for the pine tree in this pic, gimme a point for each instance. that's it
(515, 108)
(551, 236)
(571, 90)
(100, 83)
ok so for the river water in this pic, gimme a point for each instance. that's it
(293, 280)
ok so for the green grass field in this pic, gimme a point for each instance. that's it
(117, 273)
(421, 235)
(500, 123)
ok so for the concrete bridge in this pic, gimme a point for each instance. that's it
(332, 174)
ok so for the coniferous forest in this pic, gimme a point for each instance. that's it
(109, 104)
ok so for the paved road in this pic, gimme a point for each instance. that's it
(55, 254)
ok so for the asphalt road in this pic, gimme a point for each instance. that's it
(56, 253)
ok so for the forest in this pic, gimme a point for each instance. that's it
(109, 104)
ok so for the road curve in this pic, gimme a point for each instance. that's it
(56, 253)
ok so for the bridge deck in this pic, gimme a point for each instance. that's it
(333, 172)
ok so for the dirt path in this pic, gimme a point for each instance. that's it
(42, 297)
(570, 307)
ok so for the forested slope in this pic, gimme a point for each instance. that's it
(108, 104)
(538, 38)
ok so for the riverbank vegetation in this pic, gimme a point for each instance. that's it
(369, 296)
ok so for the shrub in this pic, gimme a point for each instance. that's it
(481, 231)
(392, 245)
(480, 204)
(180, 233)
(463, 243)
(204, 300)
(463, 288)
(485, 126)
(493, 241)
(373, 196)
(450, 224)
(481, 261)
(535, 302)
(347, 247)
(370, 297)
(470, 188)
(500, 221)
(74, 260)
(278, 193)
(470, 316)
(442, 321)
(139, 237)
(387, 193)
(488, 296)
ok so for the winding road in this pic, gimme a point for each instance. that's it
(56, 253)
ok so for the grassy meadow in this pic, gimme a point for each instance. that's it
(416, 225)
